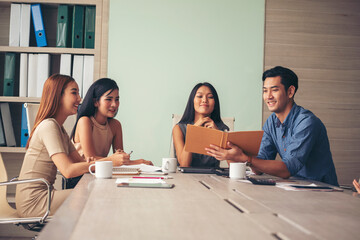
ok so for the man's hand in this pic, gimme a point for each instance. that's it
(234, 153)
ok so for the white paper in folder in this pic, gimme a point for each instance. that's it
(23, 75)
(14, 32)
(25, 25)
(32, 74)
(65, 64)
(88, 76)
(43, 71)
(78, 68)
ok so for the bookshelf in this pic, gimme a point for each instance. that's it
(49, 12)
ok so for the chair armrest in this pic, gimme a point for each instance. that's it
(15, 182)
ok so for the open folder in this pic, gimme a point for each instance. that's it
(199, 138)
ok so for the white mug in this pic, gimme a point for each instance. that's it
(169, 165)
(237, 170)
(103, 169)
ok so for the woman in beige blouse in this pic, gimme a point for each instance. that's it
(96, 130)
(49, 148)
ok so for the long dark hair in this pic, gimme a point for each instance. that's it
(189, 113)
(96, 90)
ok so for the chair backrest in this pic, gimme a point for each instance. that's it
(5, 208)
(33, 108)
(229, 121)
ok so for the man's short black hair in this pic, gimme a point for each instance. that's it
(288, 77)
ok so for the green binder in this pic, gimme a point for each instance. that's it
(89, 35)
(64, 23)
(9, 74)
(78, 26)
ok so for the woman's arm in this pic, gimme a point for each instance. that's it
(116, 129)
(184, 158)
(83, 135)
(69, 167)
(72, 165)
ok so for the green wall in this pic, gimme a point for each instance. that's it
(158, 51)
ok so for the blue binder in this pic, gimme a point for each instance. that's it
(38, 25)
(24, 127)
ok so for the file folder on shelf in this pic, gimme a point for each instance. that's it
(2, 133)
(24, 127)
(89, 29)
(88, 75)
(25, 25)
(23, 75)
(14, 31)
(65, 64)
(38, 25)
(64, 23)
(32, 74)
(78, 71)
(7, 123)
(78, 26)
(43, 71)
(9, 74)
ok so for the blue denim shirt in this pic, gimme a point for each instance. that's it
(302, 143)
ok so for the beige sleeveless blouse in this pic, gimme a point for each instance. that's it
(102, 137)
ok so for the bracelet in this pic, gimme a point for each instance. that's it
(249, 161)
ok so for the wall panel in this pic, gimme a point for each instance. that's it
(320, 41)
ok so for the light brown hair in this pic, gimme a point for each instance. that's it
(50, 99)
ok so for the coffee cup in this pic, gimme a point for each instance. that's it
(169, 165)
(103, 169)
(237, 170)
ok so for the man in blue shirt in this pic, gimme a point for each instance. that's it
(295, 133)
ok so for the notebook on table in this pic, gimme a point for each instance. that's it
(125, 171)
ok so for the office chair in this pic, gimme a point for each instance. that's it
(229, 121)
(9, 214)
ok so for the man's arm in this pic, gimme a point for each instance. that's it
(272, 167)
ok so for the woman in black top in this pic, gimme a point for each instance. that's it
(202, 109)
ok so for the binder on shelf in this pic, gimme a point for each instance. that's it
(24, 127)
(14, 31)
(38, 25)
(23, 75)
(65, 64)
(78, 70)
(25, 25)
(43, 71)
(32, 74)
(89, 28)
(7, 123)
(31, 111)
(88, 75)
(77, 27)
(64, 23)
(9, 74)
(2, 133)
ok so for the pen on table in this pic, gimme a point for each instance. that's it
(165, 177)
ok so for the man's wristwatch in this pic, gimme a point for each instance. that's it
(249, 161)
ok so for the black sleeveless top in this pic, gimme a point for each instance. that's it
(200, 160)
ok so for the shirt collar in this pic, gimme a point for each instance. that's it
(288, 117)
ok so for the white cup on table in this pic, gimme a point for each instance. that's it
(103, 169)
(237, 170)
(169, 165)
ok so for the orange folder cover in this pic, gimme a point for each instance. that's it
(198, 138)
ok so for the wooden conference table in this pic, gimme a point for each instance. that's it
(202, 206)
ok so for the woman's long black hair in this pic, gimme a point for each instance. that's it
(96, 90)
(189, 113)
